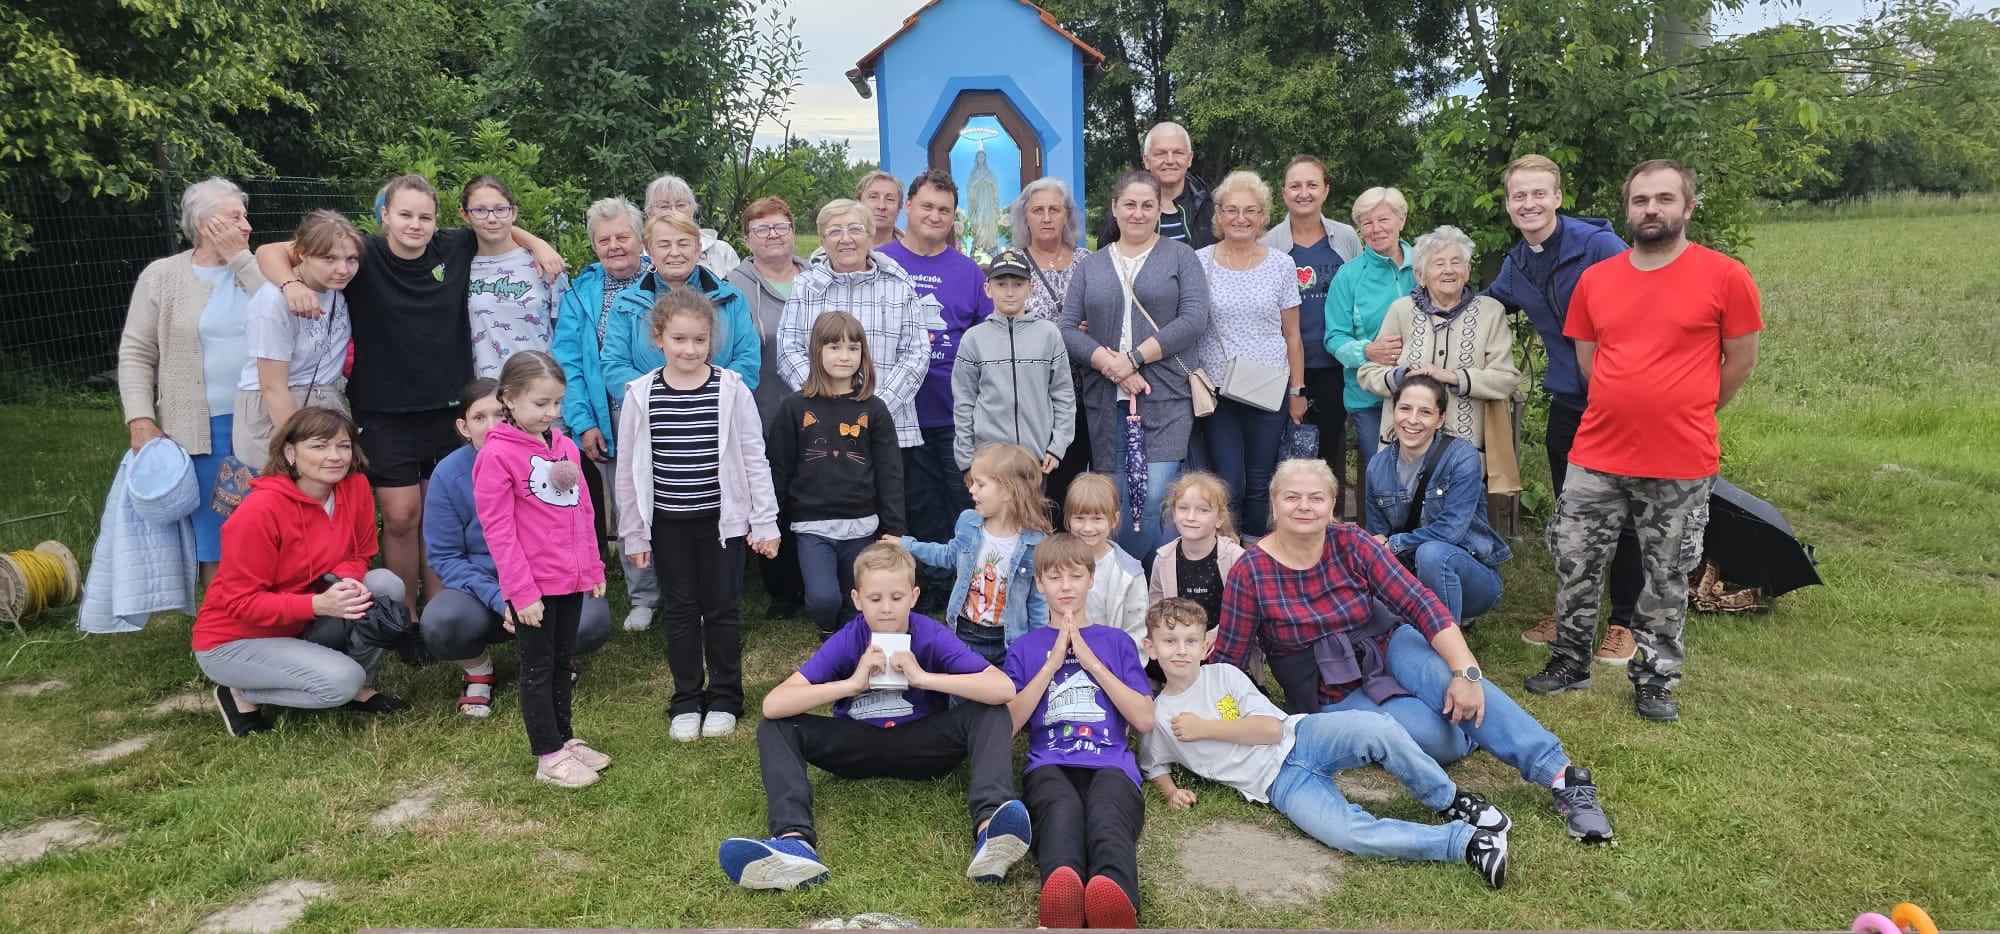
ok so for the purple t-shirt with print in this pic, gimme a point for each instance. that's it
(1074, 724)
(952, 288)
(937, 649)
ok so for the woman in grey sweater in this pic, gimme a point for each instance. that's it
(1133, 308)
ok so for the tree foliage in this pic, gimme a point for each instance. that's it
(553, 209)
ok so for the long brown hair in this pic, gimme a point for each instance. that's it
(829, 327)
(1018, 474)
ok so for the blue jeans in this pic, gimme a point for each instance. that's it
(827, 567)
(1367, 432)
(1326, 743)
(1146, 539)
(1242, 443)
(989, 641)
(1467, 587)
(1509, 733)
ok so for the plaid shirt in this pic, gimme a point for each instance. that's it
(899, 341)
(1285, 610)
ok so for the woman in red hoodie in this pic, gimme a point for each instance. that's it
(270, 630)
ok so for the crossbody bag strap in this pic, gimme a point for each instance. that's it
(1134, 297)
(1044, 280)
(1415, 517)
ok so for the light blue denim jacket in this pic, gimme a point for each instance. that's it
(1025, 607)
(1454, 507)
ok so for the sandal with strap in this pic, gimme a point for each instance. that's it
(472, 705)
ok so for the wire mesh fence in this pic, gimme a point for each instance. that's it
(63, 302)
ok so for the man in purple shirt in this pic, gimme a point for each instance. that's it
(951, 296)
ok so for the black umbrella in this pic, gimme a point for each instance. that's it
(1752, 545)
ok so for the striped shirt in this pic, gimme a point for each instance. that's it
(685, 426)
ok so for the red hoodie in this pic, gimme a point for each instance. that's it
(275, 547)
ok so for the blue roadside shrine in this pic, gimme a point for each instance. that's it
(993, 89)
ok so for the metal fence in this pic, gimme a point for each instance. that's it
(63, 303)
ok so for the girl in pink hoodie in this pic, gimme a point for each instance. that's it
(526, 487)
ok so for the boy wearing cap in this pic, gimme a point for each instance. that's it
(1011, 380)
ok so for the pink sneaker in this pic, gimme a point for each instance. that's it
(591, 758)
(565, 770)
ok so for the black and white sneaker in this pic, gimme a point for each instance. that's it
(238, 723)
(1487, 855)
(1475, 810)
(1576, 801)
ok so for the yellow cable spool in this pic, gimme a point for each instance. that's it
(34, 581)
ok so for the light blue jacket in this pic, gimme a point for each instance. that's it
(1025, 607)
(1356, 300)
(454, 544)
(1454, 505)
(629, 352)
(587, 402)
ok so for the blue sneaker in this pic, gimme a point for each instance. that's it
(1005, 840)
(782, 863)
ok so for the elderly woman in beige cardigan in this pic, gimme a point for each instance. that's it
(185, 343)
(1448, 333)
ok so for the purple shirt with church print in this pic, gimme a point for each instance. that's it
(1074, 723)
(937, 649)
(951, 290)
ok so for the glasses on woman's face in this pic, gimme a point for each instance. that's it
(770, 230)
(1234, 212)
(850, 231)
(500, 213)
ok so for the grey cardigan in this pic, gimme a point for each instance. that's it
(767, 307)
(1173, 288)
(159, 354)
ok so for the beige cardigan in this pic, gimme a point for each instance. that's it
(159, 356)
(1477, 344)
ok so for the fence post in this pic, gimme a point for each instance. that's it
(167, 225)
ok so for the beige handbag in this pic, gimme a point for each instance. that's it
(1503, 463)
(1200, 390)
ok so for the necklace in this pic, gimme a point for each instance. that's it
(1061, 261)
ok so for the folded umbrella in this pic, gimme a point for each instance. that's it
(1135, 466)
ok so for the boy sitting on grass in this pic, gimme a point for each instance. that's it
(910, 733)
(1222, 728)
(1079, 687)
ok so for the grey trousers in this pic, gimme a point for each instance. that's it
(643, 586)
(302, 672)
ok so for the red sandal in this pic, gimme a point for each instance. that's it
(472, 705)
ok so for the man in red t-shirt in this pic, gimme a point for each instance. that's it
(1665, 334)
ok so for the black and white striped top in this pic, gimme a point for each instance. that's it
(687, 447)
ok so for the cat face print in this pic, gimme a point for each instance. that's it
(553, 482)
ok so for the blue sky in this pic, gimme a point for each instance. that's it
(838, 32)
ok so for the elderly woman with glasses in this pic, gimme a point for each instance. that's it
(186, 342)
(671, 193)
(1449, 334)
(1046, 220)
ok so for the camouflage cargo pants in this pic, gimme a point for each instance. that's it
(1669, 517)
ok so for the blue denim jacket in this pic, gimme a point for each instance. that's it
(1454, 507)
(1025, 607)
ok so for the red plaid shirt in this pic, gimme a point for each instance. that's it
(1285, 610)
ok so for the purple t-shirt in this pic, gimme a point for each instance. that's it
(1074, 724)
(937, 649)
(952, 287)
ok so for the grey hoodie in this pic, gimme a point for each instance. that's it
(1011, 383)
(766, 308)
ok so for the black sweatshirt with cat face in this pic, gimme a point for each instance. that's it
(836, 458)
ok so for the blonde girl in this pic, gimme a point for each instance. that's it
(992, 548)
(1118, 584)
(835, 466)
(296, 362)
(1196, 563)
(527, 486)
(692, 486)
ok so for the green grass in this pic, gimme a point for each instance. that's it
(1838, 755)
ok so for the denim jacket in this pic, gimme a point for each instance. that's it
(1025, 607)
(1454, 507)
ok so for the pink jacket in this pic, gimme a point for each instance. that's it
(1163, 584)
(536, 515)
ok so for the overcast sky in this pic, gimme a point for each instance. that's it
(838, 32)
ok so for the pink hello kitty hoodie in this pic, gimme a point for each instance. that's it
(536, 515)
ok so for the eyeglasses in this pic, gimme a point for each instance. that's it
(770, 230)
(1252, 211)
(851, 230)
(502, 212)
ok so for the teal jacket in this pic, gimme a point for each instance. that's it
(1356, 301)
(629, 351)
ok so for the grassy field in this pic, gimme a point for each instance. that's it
(1838, 755)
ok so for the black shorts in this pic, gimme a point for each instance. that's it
(404, 447)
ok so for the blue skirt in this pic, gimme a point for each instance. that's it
(207, 468)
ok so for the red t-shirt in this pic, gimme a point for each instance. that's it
(1658, 371)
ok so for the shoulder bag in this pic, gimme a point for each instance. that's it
(1200, 391)
(1244, 380)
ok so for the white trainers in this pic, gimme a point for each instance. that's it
(717, 723)
(640, 619)
(685, 727)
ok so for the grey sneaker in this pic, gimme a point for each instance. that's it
(1560, 675)
(1656, 704)
(1475, 810)
(1576, 801)
(1486, 853)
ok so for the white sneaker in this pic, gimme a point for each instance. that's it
(717, 723)
(640, 619)
(685, 727)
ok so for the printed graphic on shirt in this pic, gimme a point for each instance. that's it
(1227, 709)
(824, 443)
(1308, 277)
(1073, 700)
(880, 705)
(986, 598)
(506, 287)
(553, 481)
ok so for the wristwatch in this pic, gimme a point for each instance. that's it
(1469, 673)
(1299, 391)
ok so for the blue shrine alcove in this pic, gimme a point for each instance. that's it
(992, 90)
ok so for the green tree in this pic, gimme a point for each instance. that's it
(104, 96)
(806, 174)
(772, 67)
(552, 210)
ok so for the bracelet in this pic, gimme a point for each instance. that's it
(1138, 360)
(289, 283)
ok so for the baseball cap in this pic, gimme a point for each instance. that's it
(1009, 263)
